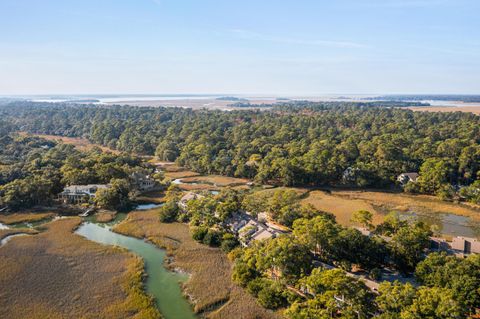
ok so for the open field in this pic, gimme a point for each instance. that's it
(473, 108)
(217, 180)
(342, 208)
(197, 187)
(405, 202)
(81, 144)
(209, 287)
(24, 217)
(344, 203)
(57, 274)
(180, 174)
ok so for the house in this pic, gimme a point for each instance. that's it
(405, 178)
(182, 203)
(350, 175)
(439, 244)
(142, 181)
(76, 194)
(253, 230)
(364, 231)
(466, 245)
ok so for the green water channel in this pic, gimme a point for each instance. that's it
(161, 283)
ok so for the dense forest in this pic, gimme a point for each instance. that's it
(305, 143)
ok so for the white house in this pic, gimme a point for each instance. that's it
(142, 181)
(405, 178)
(76, 194)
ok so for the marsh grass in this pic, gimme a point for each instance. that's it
(15, 218)
(7, 232)
(209, 287)
(58, 274)
(342, 203)
(105, 216)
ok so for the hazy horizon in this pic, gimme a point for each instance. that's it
(279, 48)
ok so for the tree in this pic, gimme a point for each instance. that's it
(327, 286)
(229, 242)
(438, 303)
(117, 196)
(202, 211)
(168, 212)
(471, 193)
(317, 233)
(459, 275)
(408, 246)
(285, 257)
(394, 297)
(434, 174)
(363, 217)
(392, 223)
(272, 296)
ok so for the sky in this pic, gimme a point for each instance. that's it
(278, 47)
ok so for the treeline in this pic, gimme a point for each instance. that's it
(33, 171)
(292, 144)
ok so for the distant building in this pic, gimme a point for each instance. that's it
(76, 194)
(350, 175)
(405, 178)
(466, 245)
(142, 181)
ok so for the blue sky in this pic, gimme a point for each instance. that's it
(282, 47)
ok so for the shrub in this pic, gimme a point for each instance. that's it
(272, 296)
(242, 273)
(212, 238)
(168, 212)
(198, 233)
(229, 242)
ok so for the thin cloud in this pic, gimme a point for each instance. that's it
(408, 3)
(249, 35)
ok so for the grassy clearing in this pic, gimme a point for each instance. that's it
(209, 287)
(344, 203)
(81, 144)
(406, 202)
(197, 187)
(218, 180)
(180, 174)
(471, 108)
(24, 217)
(156, 197)
(342, 208)
(57, 274)
(301, 192)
